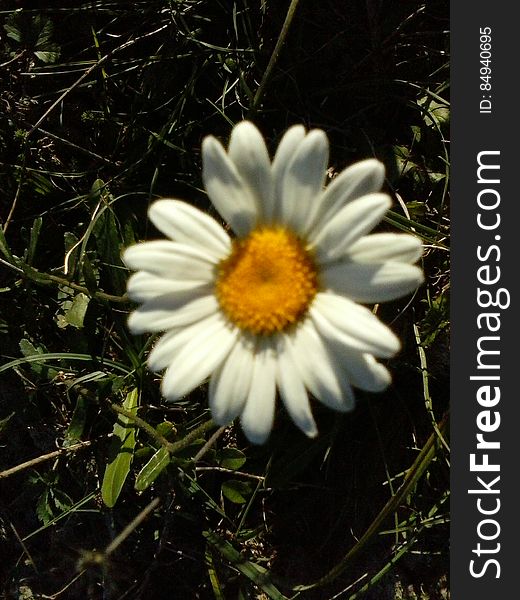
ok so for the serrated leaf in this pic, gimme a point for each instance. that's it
(236, 491)
(27, 348)
(13, 29)
(75, 315)
(61, 500)
(47, 56)
(122, 451)
(43, 509)
(435, 113)
(152, 469)
(45, 28)
(231, 458)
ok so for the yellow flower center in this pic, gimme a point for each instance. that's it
(268, 281)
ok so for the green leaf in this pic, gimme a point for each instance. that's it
(236, 491)
(77, 423)
(43, 509)
(108, 243)
(216, 586)
(435, 113)
(29, 350)
(97, 189)
(75, 315)
(48, 56)
(166, 429)
(231, 458)
(61, 500)
(12, 28)
(44, 28)
(41, 184)
(122, 451)
(35, 234)
(4, 247)
(151, 470)
(90, 276)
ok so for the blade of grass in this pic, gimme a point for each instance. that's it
(66, 356)
(274, 56)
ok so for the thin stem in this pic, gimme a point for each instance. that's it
(46, 279)
(81, 288)
(150, 430)
(274, 56)
(18, 187)
(172, 447)
(191, 436)
(43, 458)
(208, 444)
(134, 524)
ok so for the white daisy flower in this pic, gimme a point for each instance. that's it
(276, 306)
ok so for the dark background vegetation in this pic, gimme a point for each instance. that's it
(103, 106)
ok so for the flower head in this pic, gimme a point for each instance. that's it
(276, 306)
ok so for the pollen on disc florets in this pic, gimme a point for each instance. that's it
(267, 282)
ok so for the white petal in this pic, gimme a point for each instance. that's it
(339, 319)
(321, 372)
(189, 225)
(284, 153)
(349, 224)
(248, 152)
(383, 247)
(195, 361)
(367, 374)
(363, 371)
(168, 346)
(360, 179)
(293, 392)
(258, 414)
(172, 310)
(372, 283)
(226, 189)
(303, 180)
(143, 286)
(171, 260)
(230, 383)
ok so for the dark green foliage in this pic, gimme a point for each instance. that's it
(103, 106)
